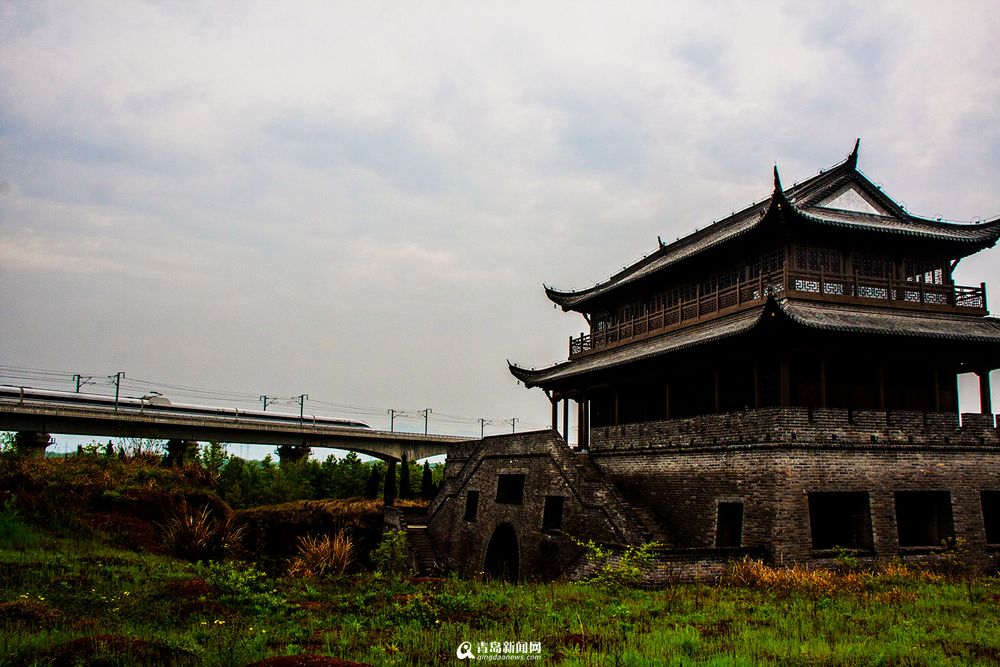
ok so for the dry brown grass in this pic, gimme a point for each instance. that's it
(816, 583)
(903, 572)
(346, 511)
(322, 555)
(201, 535)
(796, 580)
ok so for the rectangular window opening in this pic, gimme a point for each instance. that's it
(552, 515)
(923, 518)
(840, 519)
(510, 489)
(991, 515)
(471, 505)
(729, 527)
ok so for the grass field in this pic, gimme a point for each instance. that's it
(86, 578)
(150, 609)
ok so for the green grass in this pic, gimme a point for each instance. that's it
(58, 589)
(73, 586)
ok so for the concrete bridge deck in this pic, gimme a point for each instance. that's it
(39, 417)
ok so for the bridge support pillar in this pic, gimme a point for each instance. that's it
(180, 452)
(32, 443)
(290, 454)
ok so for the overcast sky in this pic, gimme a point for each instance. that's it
(361, 201)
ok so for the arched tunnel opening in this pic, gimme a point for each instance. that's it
(502, 556)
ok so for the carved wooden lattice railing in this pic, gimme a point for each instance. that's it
(832, 287)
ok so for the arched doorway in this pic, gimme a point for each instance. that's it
(502, 557)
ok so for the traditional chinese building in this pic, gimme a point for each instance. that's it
(783, 381)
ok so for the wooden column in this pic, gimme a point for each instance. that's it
(936, 388)
(555, 413)
(881, 386)
(718, 400)
(566, 420)
(822, 382)
(756, 386)
(785, 380)
(985, 400)
(581, 414)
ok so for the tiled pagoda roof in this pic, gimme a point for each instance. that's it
(814, 202)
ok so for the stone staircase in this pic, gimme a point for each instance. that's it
(649, 526)
(422, 554)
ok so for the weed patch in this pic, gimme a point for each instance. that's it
(322, 555)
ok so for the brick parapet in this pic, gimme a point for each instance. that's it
(802, 427)
(683, 489)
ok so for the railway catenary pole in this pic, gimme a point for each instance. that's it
(82, 381)
(426, 412)
(302, 406)
(117, 379)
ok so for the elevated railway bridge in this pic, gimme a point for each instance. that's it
(36, 413)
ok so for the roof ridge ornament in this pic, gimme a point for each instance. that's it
(777, 180)
(852, 159)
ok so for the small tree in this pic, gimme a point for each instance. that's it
(405, 490)
(389, 491)
(427, 490)
(213, 458)
(374, 480)
(391, 557)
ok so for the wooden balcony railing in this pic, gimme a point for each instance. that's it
(890, 292)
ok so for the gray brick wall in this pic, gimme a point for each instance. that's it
(668, 478)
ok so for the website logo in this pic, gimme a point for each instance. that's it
(494, 651)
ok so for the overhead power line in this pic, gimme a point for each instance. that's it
(73, 381)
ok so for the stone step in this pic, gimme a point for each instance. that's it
(648, 524)
(419, 544)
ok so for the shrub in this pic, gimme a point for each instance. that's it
(14, 533)
(200, 535)
(243, 586)
(391, 557)
(614, 569)
(319, 556)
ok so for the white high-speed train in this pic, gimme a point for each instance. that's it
(162, 405)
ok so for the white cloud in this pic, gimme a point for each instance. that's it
(330, 184)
